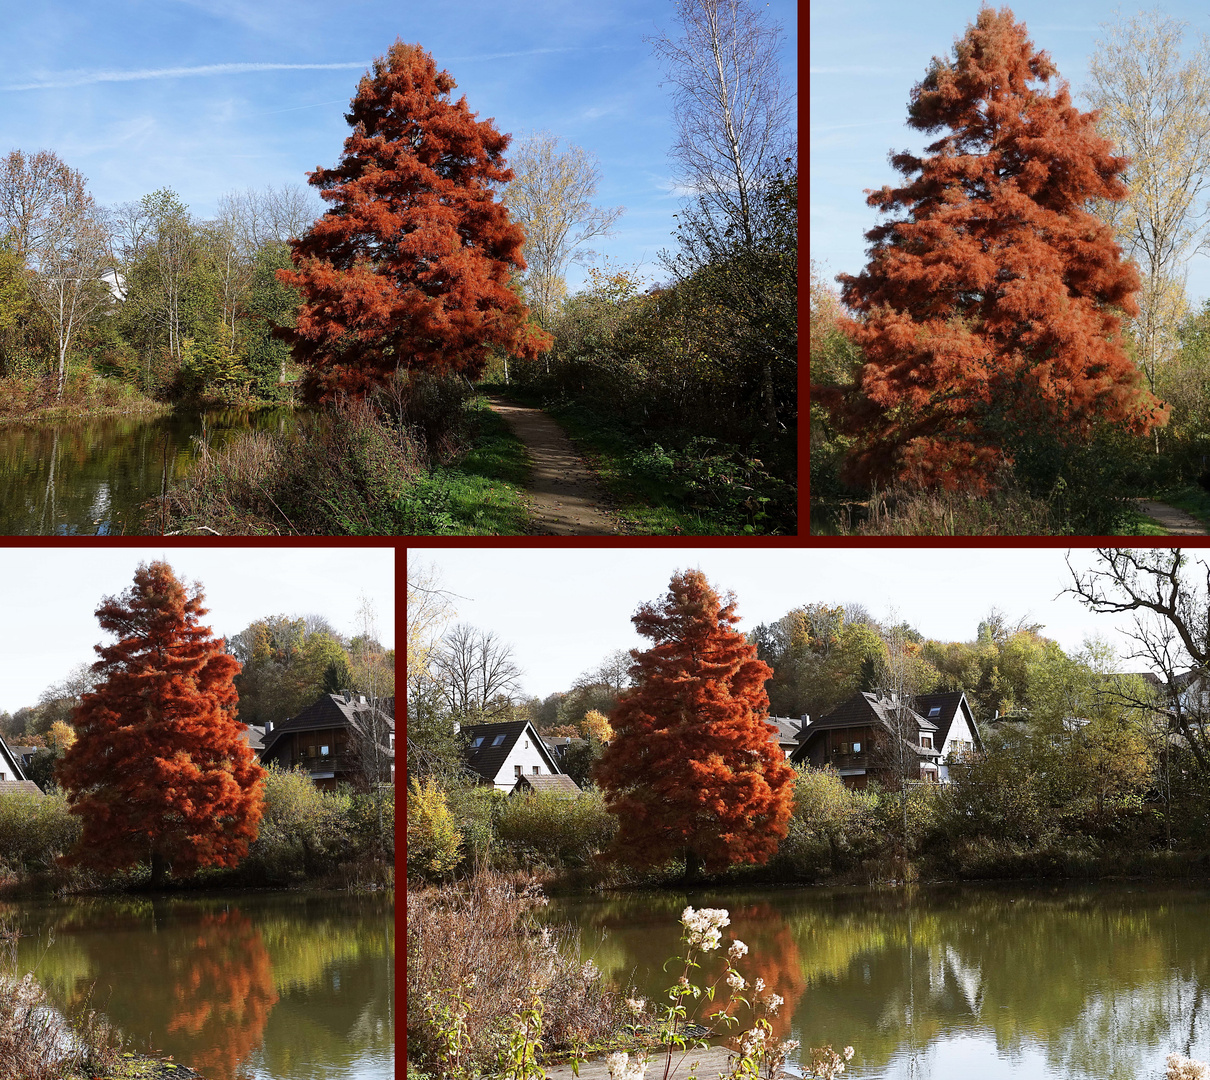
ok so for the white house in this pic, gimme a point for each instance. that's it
(956, 731)
(502, 753)
(12, 779)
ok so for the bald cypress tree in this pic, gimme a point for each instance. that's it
(691, 770)
(991, 305)
(160, 772)
(410, 268)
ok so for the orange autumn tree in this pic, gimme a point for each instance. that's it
(159, 772)
(992, 305)
(410, 268)
(691, 771)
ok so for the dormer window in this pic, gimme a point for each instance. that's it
(926, 741)
(477, 742)
(498, 740)
(935, 711)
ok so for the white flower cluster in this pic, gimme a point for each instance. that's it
(622, 1068)
(753, 1042)
(636, 1005)
(704, 928)
(1183, 1068)
(735, 980)
(737, 951)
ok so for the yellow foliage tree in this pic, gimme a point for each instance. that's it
(434, 839)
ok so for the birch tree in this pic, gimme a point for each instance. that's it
(1156, 109)
(734, 118)
(67, 247)
(551, 198)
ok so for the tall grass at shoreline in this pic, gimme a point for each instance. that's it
(38, 1043)
(478, 955)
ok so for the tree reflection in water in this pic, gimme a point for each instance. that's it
(300, 984)
(1071, 982)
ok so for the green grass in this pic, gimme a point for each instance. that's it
(1136, 524)
(481, 493)
(661, 489)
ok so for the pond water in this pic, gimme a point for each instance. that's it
(91, 477)
(267, 986)
(953, 983)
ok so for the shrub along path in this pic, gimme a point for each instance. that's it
(1175, 521)
(563, 495)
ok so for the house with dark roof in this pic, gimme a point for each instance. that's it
(333, 738)
(859, 739)
(12, 778)
(789, 732)
(562, 785)
(957, 733)
(502, 753)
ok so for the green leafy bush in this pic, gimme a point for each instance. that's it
(34, 829)
(557, 831)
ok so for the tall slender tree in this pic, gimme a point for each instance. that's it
(691, 770)
(409, 269)
(992, 309)
(160, 772)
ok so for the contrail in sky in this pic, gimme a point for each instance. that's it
(86, 78)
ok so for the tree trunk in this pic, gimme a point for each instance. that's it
(159, 869)
(693, 866)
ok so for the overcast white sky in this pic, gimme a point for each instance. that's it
(563, 611)
(48, 597)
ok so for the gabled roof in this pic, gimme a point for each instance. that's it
(947, 704)
(498, 741)
(866, 707)
(329, 711)
(6, 755)
(861, 710)
(19, 787)
(562, 784)
(789, 730)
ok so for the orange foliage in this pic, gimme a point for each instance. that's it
(992, 306)
(691, 769)
(410, 268)
(223, 994)
(159, 770)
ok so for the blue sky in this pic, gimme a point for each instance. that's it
(866, 57)
(206, 96)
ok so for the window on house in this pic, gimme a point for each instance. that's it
(516, 770)
(526, 744)
(476, 742)
(324, 751)
(934, 711)
(857, 748)
(844, 747)
(926, 741)
(498, 740)
(537, 770)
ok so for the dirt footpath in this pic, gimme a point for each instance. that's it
(1177, 522)
(563, 495)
